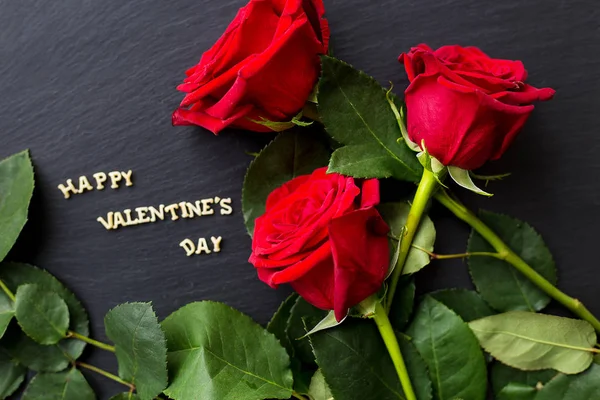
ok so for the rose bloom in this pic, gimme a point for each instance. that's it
(466, 106)
(265, 65)
(322, 234)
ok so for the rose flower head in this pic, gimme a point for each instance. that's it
(465, 106)
(322, 234)
(264, 66)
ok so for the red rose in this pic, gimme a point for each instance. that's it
(466, 106)
(321, 234)
(265, 65)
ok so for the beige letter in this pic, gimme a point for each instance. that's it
(118, 220)
(128, 221)
(100, 178)
(84, 184)
(206, 210)
(127, 176)
(194, 209)
(109, 217)
(188, 246)
(184, 210)
(216, 243)
(202, 246)
(115, 178)
(67, 190)
(157, 214)
(226, 206)
(171, 208)
(142, 217)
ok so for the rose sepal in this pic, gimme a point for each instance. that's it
(285, 125)
(463, 178)
(432, 164)
(400, 117)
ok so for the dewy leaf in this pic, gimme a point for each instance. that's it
(530, 341)
(303, 318)
(69, 385)
(357, 366)
(16, 189)
(319, 390)
(356, 112)
(395, 214)
(218, 353)
(403, 303)
(42, 314)
(141, 348)
(29, 353)
(290, 155)
(500, 284)
(12, 375)
(501, 375)
(456, 364)
(468, 304)
(7, 311)
(463, 178)
(584, 386)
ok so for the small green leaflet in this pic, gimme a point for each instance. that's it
(16, 189)
(12, 375)
(69, 385)
(356, 113)
(502, 375)
(530, 341)
(319, 390)
(499, 283)
(140, 347)
(42, 314)
(218, 353)
(7, 311)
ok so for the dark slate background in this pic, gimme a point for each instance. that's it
(89, 86)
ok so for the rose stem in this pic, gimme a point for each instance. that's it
(391, 342)
(435, 256)
(105, 374)
(100, 345)
(7, 291)
(426, 188)
(506, 254)
(298, 396)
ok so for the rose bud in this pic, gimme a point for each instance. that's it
(322, 234)
(465, 106)
(264, 66)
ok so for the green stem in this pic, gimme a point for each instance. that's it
(7, 291)
(105, 374)
(426, 188)
(456, 256)
(91, 341)
(506, 254)
(391, 342)
(298, 396)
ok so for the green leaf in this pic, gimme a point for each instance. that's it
(403, 303)
(502, 375)
(468, 304)
(217, 353)
(395, 214)
(319, 390)
(12, 375)
(499, 283)
(140, 347)
(584, 386)
(530, 341)
(16, 189)
(456, 364)
(278, 324)
(356, 112)
(29, 353)
(290, 155)
(517, 391)
(463, 178)
(303, 318)
(356, 364)
(368, 160)
(43, 315)
(69, 385)
(126, 396)
(7, 311)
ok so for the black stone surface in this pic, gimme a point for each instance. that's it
(89, 86)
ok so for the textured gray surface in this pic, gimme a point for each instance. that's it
(90, 85)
